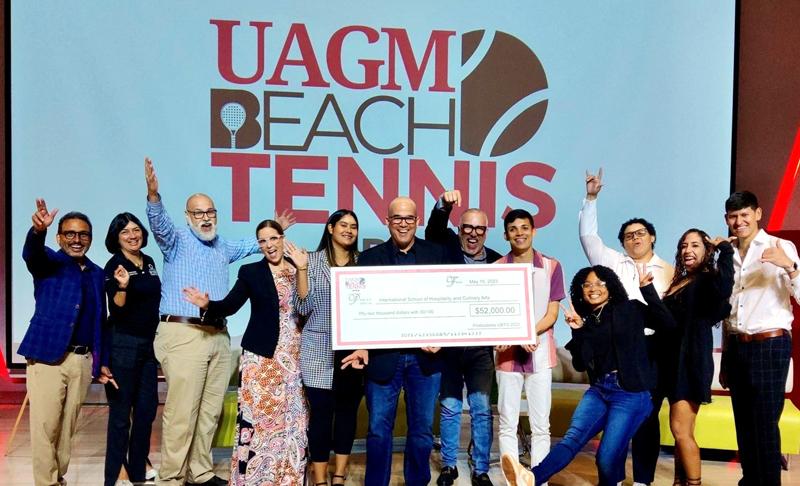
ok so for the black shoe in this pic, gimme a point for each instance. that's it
(447, 477)
(481, 479)
(214, 481)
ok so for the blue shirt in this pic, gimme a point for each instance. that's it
(191, 262)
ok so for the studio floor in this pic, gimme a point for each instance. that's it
(88, 455)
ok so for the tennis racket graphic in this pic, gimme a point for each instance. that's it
(233, 116)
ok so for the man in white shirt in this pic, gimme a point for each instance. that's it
(757, 342)
(638, 238)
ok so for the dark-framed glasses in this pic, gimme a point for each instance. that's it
(198, 214)
(72, 235)
(639, 233)
(469, 229)
(398, 220)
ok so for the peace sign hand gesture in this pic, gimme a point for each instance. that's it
(571, 317)
(42, 218)
(594, 183)
(645, 277)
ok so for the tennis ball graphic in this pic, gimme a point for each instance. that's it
(507, 74)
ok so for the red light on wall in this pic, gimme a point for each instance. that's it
(789, 181)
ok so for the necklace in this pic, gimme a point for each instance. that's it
(137, 260)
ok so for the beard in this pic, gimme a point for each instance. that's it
(199, 233)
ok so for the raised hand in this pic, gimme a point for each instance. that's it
(357, 359)
(298, 255)
(451, 198)
(645, 277)
(571, 317)
(777, 256)
(42, 218)
(194, 296)
(594, 183)
(285, 219)
(122, 277)
(151, 179)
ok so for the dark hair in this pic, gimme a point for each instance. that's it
(326, 241)
(74, 215)
(707, 265)
(269, 223)
(119, 222)
(740, 200)
(515, 214)
(647, 225)
(616, 292)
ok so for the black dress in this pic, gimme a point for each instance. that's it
(687, 364)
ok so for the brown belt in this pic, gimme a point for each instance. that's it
(185, 320)
(761, 336)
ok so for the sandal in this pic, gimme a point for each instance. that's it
(333, 480)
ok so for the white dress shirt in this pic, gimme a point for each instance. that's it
(761, 291)
(623, 265)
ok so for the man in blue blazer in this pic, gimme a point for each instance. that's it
(417, 371)
(66, 341)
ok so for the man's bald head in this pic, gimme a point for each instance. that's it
(201, 215)
(402, 221)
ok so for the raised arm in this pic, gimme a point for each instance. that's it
(36, 256)
(596, 251)
(722, 283)
(161, 224)
(436, 228)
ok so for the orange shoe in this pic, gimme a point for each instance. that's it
(515, 473)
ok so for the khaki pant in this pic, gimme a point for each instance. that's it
(196, 364)
(56, 393)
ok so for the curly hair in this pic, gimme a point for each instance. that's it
(707, 265)
(616, 292)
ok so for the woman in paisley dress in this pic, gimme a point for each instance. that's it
(270, 439)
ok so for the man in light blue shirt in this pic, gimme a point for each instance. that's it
(194, 354)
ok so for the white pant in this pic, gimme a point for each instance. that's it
(538, 395)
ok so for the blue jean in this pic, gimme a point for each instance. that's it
(134, 366)
(420, 396)
(475, 368)
(605, 406)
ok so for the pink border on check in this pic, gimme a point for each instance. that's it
(411, 269)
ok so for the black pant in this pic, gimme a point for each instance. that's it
(757, 377)
(333, 414)
(473, 366)
(134, 366)
(646, 443)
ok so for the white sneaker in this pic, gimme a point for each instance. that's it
(640, 484)
(150, 475)
(123, 482)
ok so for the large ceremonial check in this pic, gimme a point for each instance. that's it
(431, 305)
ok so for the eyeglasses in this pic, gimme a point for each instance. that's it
(590, 285)
(271, 240)
(639, 233)
(469, 229)
(198, 214)
(71, 235)
(398, 220)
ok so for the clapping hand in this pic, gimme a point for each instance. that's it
(645, 277)
(571, 317)
(594, 183)
(451, 198)
(42, 218)
(193, 295)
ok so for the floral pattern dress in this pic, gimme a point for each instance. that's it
(271, 441)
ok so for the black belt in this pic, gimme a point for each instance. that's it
(183, 319)
(78, 349)
(218, 323)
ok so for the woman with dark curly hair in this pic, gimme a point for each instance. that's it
(698, 299)
(608, 342)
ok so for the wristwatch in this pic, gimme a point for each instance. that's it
(794, 268)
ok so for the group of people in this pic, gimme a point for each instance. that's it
(641, 329)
